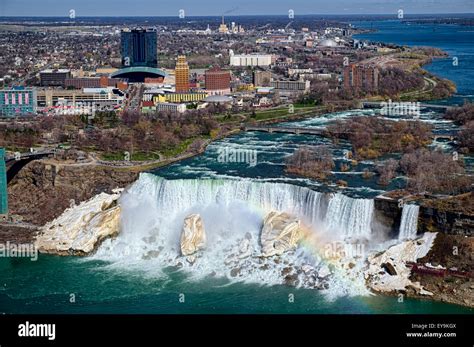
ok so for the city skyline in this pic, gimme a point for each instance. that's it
(109, 8)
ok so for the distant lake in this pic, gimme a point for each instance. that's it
(456, 40)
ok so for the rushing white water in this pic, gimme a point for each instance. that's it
(335, 212)
(409, 222)
(352, 217)
(153, 211)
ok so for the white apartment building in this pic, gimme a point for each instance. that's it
(253, 60)
(174, 108)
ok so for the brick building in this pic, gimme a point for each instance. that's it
(217, 81)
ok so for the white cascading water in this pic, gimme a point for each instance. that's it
(409, 222)
(351, 217)
(153, 211)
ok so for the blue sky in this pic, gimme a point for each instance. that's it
(217, 7)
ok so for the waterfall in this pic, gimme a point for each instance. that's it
(153, 211)
(342, 214)
(409, 222)
(172, 197)
(351, 217)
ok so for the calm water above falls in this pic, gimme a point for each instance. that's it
(119, 279)
(456, 40)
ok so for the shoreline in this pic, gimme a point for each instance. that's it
(458, 299)
(408, 293)
(143, 167)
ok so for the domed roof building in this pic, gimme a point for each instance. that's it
(218, 99)
(328, 43)
(139, 73)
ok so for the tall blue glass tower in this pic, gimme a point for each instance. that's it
(139, 48)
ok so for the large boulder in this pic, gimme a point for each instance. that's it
(193, 236)
(80, 229)
(280, 233)
(388, 271)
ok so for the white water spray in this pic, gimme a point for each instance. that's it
(409, 222)
(352, 217)
(153, 211)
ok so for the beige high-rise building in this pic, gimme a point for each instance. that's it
(223, 29)
(182, 75)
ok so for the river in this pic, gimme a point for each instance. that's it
(136, 273)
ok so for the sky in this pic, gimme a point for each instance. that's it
(59, 8)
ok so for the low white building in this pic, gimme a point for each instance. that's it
(168, 107)
(291, 86)
(253, 60)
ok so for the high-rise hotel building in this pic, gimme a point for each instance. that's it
(139, 48)
(361, 76)
(217, 81)
(17, 101)
(3, 185)
(182, 75)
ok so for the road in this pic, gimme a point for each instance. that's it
(428, 87)
(135, 94)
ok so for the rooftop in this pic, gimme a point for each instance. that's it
(56, 71)
(218, 99)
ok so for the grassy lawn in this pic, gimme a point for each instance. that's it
(17, 149)
(281, 112)
(173, 152)
(264, 114)
(223, 119)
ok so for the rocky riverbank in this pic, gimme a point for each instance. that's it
(435, 266)
(453, 257)
(42, 191)
(80, 229)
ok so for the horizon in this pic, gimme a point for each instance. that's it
(252, 15)
(142, 8)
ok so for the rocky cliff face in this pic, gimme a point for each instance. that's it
(430, 219)
(41, 192)
(388, 215)
(80, 229)
(388, 271)
(446, 222)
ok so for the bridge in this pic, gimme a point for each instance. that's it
(287, 130)
(447, 135)
(16, 162)
(394, 103)
(9, 167)
(33, 155)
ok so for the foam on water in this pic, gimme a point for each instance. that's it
(153, 211)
